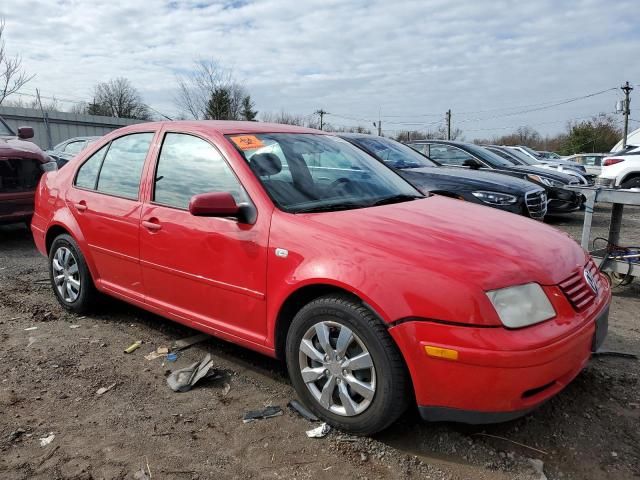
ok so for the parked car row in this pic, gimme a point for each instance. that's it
(65, 151)
(306, 246)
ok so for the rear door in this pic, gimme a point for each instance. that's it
(105, 200)
(209, 271)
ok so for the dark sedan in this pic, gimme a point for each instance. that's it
(486, 188)
(474, 157)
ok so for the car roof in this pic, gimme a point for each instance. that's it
(224, 127)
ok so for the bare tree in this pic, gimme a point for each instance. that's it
(211, 92)
(118, 98)
(12, 75)
(287, 118)
(51, 106)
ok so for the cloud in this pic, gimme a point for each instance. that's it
(409, 61)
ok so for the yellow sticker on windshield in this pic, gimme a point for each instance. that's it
(247, 142)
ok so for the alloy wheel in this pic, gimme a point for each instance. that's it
(66, 274)
(337, 368)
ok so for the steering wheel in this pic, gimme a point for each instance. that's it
(342, 185)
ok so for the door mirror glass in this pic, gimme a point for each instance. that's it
(25, 132)
(214, 204)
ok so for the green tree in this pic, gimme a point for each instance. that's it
(219, 105)
(599, 134)
(248, 112)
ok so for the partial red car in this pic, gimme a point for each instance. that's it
(294, 243)
(21, 165)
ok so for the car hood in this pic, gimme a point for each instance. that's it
(12, 146)
(545, 172)
(467, 179)
(449, 238)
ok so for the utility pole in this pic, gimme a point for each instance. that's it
(626, 88)
(322, 113)
(45, 119)
(449, 124)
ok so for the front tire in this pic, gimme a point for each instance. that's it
(70, 277)
(345, 367)
(631, 183)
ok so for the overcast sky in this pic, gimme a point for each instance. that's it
(408, 61)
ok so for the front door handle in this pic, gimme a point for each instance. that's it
(81, 206)
(152, 224)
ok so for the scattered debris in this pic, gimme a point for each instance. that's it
(183, 379)
(103, 390)
(301, 410)
(133, 347)
(44, 441)
(513, 441)
(538, 467)
(48, 455)
(15, 435)
(319, 432)
(269, 412)
(189, 341)
(157, 353)
(141, 474)
(226, 389)
(29, 329)
(31, 341)
(172, 357)
(74, 326)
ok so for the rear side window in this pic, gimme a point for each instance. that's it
(448, 155)
(88, 173)
(188, 166)
(122, 165)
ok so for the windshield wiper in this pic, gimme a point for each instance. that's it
(403, 197)
(331, 207)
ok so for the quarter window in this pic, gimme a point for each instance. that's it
(87, 176)
(74, 147)
(188, 166)
(122, 166)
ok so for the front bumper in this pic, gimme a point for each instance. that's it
(499, 374)
(563, 201)
(16, 207)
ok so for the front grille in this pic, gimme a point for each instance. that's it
(536, 201)
(19, 174)
(577, 289)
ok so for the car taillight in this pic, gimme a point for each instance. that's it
(612, 161)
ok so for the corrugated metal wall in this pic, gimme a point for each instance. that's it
(62, 125)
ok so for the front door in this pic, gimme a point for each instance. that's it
(105, 202)
(211, 271)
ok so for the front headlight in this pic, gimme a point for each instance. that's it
(522, 305)
(495, 198)
(545, 180)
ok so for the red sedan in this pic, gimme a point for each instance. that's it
(294, 243)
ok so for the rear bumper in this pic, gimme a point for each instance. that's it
(494, 378)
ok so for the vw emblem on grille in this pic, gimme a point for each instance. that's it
(591, 281)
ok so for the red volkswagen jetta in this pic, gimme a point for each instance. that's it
(294, 243)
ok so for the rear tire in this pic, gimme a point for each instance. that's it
(358, 381)
(70, 277)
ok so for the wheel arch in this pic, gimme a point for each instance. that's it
(629, 176)
(298, 299)
(71, 228)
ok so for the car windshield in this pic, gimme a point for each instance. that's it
(530, 150)
(315, 173)
(392, 153)
(487, 155)
(5, 130)
(527, 160)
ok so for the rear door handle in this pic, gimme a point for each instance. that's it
(152, 224)
(81, 206)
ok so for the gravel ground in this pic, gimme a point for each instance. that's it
(49, 377)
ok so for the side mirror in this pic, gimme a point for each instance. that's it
(25, 132)
(471, 163)
(213, 204)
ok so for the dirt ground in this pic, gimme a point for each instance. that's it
(49, 377)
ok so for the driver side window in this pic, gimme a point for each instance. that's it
(449, 155)
(188, 166)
